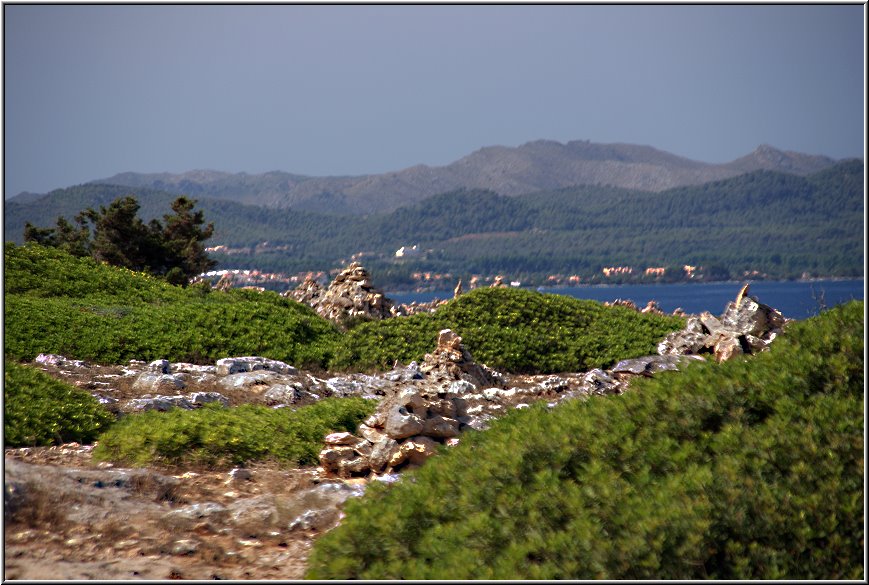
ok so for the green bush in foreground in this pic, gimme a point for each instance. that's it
(513, 330)
(39, 410)
(750, 469)
(215, 435)
(76, 307)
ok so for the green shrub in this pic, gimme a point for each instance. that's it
(749, 469)
(215, 435)
(513, 330)
(39, 410)
(76, 307)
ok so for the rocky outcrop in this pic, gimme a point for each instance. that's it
(406, 429)
(449, 393)
(158, 378)
(52, 359)
(307, 293)
(164, 403)
(747, 326)
(414, 307)
(653, 364)
(426, 408)
(350, 295)
(451, 361)
(235, 365)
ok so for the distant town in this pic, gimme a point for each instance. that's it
(425, 281)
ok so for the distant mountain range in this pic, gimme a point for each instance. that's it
(535, 166)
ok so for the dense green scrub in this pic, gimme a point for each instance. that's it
(513, 330)
(39, 410)
(215, 435)
(749, 469)
(76, 307)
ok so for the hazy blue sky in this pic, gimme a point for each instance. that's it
(91, 91)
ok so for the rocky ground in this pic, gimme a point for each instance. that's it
(67, 517)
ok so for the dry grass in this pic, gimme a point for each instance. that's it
(32, 505)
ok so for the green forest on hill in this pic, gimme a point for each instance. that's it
(779, 224)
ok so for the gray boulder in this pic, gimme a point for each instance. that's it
(210, 513)
(283, 394)
(255, 516)
(159, 403)
(259, 380)
(200, 398)
(598, 381)
(401, 423)
(155, 381)
(235, 365)
(318, 508)
(159, 367)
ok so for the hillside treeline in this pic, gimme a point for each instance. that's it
(779, 224)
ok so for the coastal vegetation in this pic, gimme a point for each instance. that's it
(117, 235)
(512, 330)
(78, 307)
(39, 410)
(217, 436)
(748, 469)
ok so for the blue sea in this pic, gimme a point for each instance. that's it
(795, 299)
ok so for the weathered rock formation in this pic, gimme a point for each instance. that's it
(426, 409)
(350, 295)
(451, 361)
(746, 327)
(406, 429)
(449, 393)
(415, 307)
(308, 293)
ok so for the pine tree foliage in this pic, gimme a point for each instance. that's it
(117, 235)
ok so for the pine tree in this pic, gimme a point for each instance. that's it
(174, 251)
(182, 238)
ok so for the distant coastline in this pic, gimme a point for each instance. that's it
(796, 299)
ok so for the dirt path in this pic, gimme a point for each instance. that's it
(67, 518)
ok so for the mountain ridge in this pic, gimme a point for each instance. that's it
(533, 166)
(778, 223)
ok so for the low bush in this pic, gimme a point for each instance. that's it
(218, 436)
(79, 308)
(76, 307)
(749, 469)
(39, 410)
(513, 330)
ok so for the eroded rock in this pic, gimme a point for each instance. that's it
(350, 295)
(747, 326)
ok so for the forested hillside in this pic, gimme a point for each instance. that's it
(776, 223)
